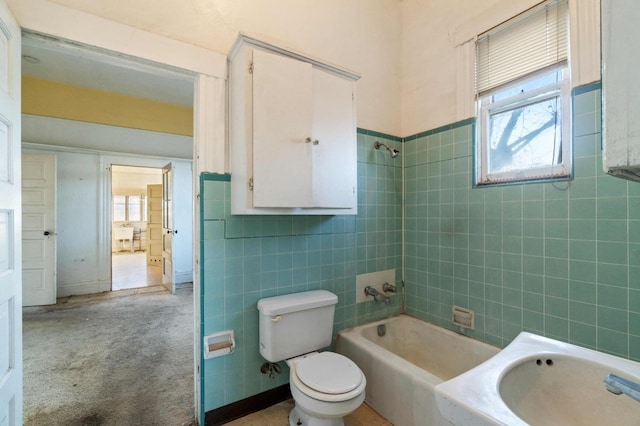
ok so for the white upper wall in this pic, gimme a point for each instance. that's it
(417, 70)
(127, 180)
(438, 62)
(361, 35)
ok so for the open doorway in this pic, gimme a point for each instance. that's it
(136, 222)
(87, 152)
(208, 70)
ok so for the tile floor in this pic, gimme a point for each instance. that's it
(130, 270)
(278, 415)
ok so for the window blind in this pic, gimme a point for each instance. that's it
(524, 44)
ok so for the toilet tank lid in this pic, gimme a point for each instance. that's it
(294, 302)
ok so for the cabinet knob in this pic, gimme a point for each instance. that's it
(314, 141)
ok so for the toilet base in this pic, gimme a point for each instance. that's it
(298, 417)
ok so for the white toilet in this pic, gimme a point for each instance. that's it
(326, 386)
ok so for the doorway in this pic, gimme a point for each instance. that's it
(207, 69)
(91, 166)
(136, 219)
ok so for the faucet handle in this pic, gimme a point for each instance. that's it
(388, 288)
(370, 291)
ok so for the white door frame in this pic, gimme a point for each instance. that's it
(210, 72)
(105, 183)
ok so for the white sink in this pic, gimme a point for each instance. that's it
(123, 233)
(540, 381)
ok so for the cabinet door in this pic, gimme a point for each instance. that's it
(334, 129)
(282, 114)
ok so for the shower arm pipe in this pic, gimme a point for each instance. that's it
(393, 152)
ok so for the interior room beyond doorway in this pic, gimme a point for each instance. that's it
(136, 221)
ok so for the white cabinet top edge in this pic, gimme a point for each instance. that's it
(255, 42)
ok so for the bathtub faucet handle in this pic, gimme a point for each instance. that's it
(377, 297)
(370, 291)
(388, 288)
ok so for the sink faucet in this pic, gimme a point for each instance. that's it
(618, 385)
(377, 297)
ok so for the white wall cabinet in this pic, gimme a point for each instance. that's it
(292, 133)
(620, 89)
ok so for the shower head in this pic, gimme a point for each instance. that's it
(394, 152)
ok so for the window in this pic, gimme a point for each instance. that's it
(129, 208)
(523, 98)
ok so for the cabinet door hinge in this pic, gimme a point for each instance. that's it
(251, 68)
(250, 184)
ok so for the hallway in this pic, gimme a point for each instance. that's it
(110, 360)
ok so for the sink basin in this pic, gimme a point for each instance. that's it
(564, 390)
(540, 381)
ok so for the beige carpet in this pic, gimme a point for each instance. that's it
(110, 360)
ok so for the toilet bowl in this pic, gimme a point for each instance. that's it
(326, 387)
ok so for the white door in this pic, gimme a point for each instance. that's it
(167, 228)
(38, 230)
(154, 225)
(10, 223)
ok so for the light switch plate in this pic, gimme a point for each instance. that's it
(375, 280)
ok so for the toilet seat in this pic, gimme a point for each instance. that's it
(328, 372)
(329, 377)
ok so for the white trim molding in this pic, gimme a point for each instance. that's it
(585, 41)
(465, 75)
(210, 124)
(55, 20)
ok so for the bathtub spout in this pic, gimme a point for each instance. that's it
(384, 298)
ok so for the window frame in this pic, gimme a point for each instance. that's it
(513, 55)
(142, 204)
(485, 109)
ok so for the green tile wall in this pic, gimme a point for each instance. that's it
(246, 258)
(558, 259)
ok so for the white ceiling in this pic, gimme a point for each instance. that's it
(98, 70)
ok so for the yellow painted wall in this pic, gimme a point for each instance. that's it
(52, 99)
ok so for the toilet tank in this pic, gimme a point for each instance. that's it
(295, 324)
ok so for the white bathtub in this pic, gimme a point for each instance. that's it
(404, 366)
